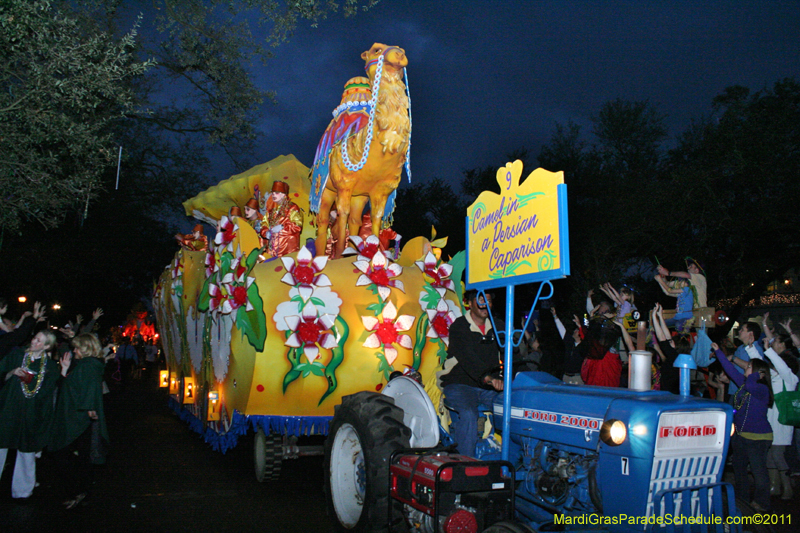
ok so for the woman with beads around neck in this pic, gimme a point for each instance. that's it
(79, 437)
(753, 432)
(26, 407)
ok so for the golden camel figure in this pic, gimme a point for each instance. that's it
(376, 139)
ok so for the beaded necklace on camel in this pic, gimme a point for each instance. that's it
(373, 103)
(26, 362)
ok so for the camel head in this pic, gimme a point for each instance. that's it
(394, 57)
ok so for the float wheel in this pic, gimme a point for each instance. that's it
(267, 456)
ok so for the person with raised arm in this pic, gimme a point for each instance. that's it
(753, 433)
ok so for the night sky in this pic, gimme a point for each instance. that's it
(488, 77)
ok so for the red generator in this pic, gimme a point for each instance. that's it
(450, 493)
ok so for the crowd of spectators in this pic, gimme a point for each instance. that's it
(52, 383)
(745, 369)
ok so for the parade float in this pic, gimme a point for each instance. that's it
(270, 343)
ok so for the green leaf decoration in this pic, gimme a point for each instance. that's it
(317, 301)
(204, 299)
(253, 323)
(384, 366)
(341, 330)
(442, 352)
(293, 355)
(252, 259)
(317, 368)
(431, 297)
(225, 261)
(459, 264)
(419, 341)
(207, 364)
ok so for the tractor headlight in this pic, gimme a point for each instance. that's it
(613, 432)
(733, 429)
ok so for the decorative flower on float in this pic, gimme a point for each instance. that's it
(176, 274)
(219, 299)
(306, 272)
(385, 332)
(365, 248)
(437, 273)
(325, 301)
(378, 273)
(311, 332)
(440, 320)
(308, 284)
(226, 234)
(212, 261)
(230, 290)
(310, 320)
(177, 266)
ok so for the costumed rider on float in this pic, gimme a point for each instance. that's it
(282, 222)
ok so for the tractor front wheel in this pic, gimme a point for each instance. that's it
(365, 430)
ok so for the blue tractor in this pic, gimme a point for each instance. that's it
(580, 458)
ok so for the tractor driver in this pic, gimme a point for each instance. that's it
(475, 379)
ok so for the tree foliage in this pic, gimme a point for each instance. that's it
(62, 86)
(723, 195)
(736, 175)
(170, 86)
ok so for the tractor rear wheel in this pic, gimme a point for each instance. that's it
(366, 428)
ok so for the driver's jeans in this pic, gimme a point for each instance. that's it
(465, 400)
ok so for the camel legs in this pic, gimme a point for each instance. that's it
(323, 220)
(343, 199)
(357, 204)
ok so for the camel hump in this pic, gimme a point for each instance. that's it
(357, 89)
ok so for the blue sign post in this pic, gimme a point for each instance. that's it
(518, 236)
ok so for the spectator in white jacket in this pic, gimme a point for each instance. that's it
(783, 378)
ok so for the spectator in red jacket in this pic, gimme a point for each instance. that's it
(602, 365)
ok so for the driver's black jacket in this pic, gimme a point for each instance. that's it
(477, 353)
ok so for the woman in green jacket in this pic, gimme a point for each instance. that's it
(79, 436)
(26, 407)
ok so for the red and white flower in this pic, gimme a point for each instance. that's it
(226, 234)
(365, 248)
(311, 331)
(220, 299)
(176, 267)
(306, 272)
(331, 304)
(386, 331)
(439, 276)
(212, 262)
(238, 295)
(379, 271)
(440, 320)
(238, 270)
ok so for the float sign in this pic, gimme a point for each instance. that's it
(520, 235)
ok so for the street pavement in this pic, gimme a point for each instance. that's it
(160, 476)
